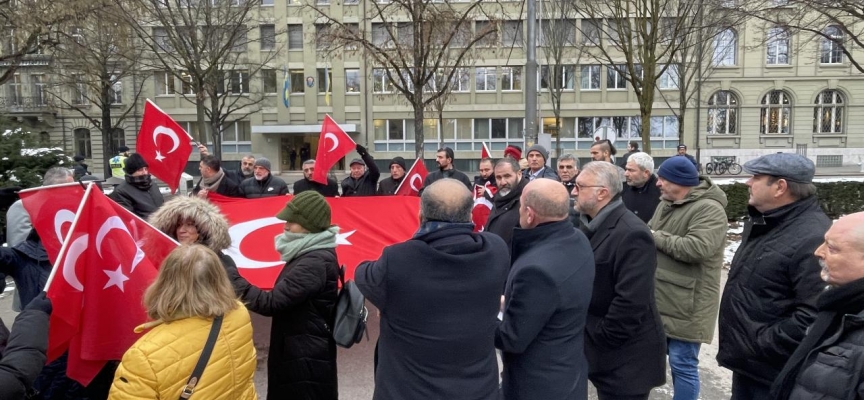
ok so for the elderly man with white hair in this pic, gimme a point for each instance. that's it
(641, 194)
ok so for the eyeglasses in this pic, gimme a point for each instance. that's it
(579, 187)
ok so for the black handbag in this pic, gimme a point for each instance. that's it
(202, 361)
(350, 313)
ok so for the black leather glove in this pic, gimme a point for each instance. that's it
(41, 302)
(361, 150)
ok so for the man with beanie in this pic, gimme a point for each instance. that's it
(442, 351)
(263, 183)
(361, 182)
(118, 162)
(444, 158)
(537, 156)
(79, 169)
(514, 152)
(331, 189)
(389, 185)
(301, 362)
(682, 151)
(770, 295)
(641, 195)
(137, 193)
(689, 228)
(213, 179)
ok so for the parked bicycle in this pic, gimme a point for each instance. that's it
(720, 168)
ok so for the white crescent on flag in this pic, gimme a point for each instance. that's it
(416, 178)
(161, 130)
(117, 223)
(331, 136)
(62, 216)
(239, 231)
(75, 249)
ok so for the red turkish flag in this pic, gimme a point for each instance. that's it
(52, 210)
(484, 152)
(413, 181)
(366, 226)
(109, 259)
(333, 144)
(164, 145)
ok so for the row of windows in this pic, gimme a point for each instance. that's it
(40, 92)
(777, 47)
(775, 113)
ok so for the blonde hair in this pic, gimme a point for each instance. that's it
(191, 283)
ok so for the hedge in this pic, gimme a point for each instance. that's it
(836, 198)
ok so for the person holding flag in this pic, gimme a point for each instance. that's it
(25, 349)
(361, 181)
(388, 186)
(138, 193)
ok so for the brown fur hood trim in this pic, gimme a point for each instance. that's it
(211, 224)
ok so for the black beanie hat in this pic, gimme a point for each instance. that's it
(133, 163)
(398, 161)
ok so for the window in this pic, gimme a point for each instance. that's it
(239, 43)
(832, 46)
(665, 127)
(497, 128)
(78, 35)
(612, 34)
(511, 78)
(236, 137)
(557, 78)
(626, 127)
(590, 77)
(590, 31)
(164, 83)
(268, 80)
(40, 96)
(405, 34)
(380, 82)
(615, 76)
(352, 80)
(163, 42)
(381, 36)
(298, 82)
(82, 142)
(778, 46)
(589, 127)
(460, 80)
(776, 113)
(351, 31)
(79, 90)
(266, 2)
(828, 113)
(512, 33)
(116, 90)
(556, 32)
(489, 33)
(723, 113)
(325, 80)
(118, 138)
(295, 37)
(484, 78)
(268, 37)
(725, 48)
(239, 81)
(669, 79)
(322, 36)
(186, 86)
(16, 96)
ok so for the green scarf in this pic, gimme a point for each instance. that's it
(291, 245)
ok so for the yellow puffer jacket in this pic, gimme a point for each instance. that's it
(158, 365)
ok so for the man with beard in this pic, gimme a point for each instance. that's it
(504, 216)
(484, 190)
(444, 158)
(263, 183)
(487, 175)
(137, 193)
(603, 150)
(770, 296)
(568, 169)
(213, 179)
(361, 182)
(388, 186)
(625, 344)
(247, 165)
(641, 195)
(331, 189)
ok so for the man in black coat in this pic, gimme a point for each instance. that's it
(388, 186)
(770, 295)
(438, 294)
(25, 348)
(214, 179)
(137, 193)
(641, 195)
(504, 216)
(625, 343)
(444, 158)
(546, 302)
(246, 170)
(331, 189)
(263, 183)
(361, 182)
(537, 156)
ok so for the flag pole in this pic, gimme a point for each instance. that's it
(66, 240)
(403, 180)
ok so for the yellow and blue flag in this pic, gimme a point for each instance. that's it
(286, 88)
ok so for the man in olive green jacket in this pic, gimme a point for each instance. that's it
(689, 227)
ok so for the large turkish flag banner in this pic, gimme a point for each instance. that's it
(333, 144)
(366, 226)
(52, 210)
(164, 144)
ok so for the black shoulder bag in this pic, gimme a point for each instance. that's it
(203, 360)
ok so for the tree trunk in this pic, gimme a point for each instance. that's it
(441, 127)
(418, 130)
(646, 101)
(216, 127)
(108, 149)
(558, 134)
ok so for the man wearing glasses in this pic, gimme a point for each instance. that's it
(331, 189)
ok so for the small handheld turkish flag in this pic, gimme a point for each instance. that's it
(333, 144)
(413, 181)
(164, 145)
(485, 153)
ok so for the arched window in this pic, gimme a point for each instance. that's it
(828, 113)
(118, 138)
(44, 138)
(832, 45)
(778, 46)
(82, 142)
(723, 113)
(776, 113)
(725, 46)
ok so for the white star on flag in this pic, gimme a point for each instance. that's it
(115, 278)
(342, 238)
(159, 156)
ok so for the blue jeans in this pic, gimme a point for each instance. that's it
(684, 362)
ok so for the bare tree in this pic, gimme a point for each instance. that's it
(557, 41)
(203, 43)
(636, 40)
(97, 65)
(425, 52)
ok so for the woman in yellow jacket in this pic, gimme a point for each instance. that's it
(191, 289)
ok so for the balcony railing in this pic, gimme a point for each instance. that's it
(25, 104)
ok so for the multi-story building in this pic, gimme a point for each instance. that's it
(768, 90)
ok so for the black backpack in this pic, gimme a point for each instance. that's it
(350, 313)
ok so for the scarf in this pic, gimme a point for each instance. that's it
(591, 224)
(832, 305)
(433, 226)
(142, 182)
(291, 245)
(212, 183)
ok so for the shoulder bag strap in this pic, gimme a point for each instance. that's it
(203, 360)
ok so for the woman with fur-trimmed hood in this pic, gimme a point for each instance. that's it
(192, 220)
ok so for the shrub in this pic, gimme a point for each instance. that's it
(836, 198)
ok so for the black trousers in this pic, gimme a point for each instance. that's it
(745, 388)
(609, 396)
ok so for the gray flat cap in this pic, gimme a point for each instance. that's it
(357, 161)
(789, 166)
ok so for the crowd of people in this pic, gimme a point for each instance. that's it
(602, 273)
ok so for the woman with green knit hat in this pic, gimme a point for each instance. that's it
(302, 357)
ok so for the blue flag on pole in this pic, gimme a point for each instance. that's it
(286, 88)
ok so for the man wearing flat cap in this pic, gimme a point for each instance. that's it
(361, 182)
(262, 183)
(770, 296)
(388, 186)
(537, 156)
